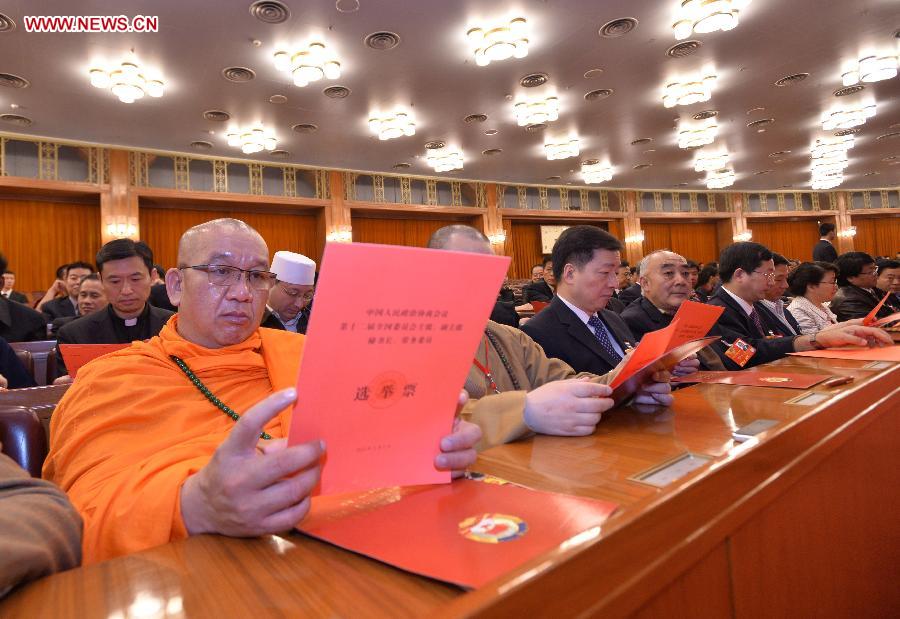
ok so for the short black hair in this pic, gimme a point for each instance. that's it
(779, 259)
(808, 274)
(745, 255)
(94, 277)
(536, 266)
(3, 263)
(120, 249)
(576, 245)
(624, 263)
(61, 271)
(707, 273)
(882, 265)
(851, 264)
(159, 270)
(546, 260)
(8, 272)
(826, 228)
(691, 264)
(79, 265)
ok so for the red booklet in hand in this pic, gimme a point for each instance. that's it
(664, 348)
(468, 533)
(387, 353)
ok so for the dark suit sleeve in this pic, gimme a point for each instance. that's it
(38, 330)
(63, 337)
(12, 369)
(731, 328)
(848, 304)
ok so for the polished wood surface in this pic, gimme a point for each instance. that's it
(729, 539)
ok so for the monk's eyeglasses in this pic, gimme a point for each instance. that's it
(224, 275)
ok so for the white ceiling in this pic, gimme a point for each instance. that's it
(433, 72)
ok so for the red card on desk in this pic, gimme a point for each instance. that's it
(755, 379)
(78, 355)
(467, 533)
(869, 320)
(888, 353)
(387, 352)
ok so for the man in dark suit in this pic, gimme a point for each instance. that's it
(576, 327)
(9, 280)
(857, 294)
(67, 305)
(159, 297)
(889, 281)
(824, 250)
(630, 294)
(124, 266)
(666, 283)
(747, 271)
(20, 323)
(542, 290)
(774, 301)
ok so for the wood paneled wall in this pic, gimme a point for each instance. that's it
(695, 241)
(877, 236)
(791, 239)
(161, 228)
(407, 231)
(38, 236)
(523, 245)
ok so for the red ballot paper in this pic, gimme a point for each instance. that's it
(755, 379)
(387, 352)
(869, 320)
(77, 355)
(467, 533)
(888, 353)
(664, 348)
(885, 321)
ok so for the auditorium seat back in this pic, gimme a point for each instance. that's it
(23, 438)
(43, 355)
(39, 400)
(26, 360)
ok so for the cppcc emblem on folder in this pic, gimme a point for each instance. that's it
(493, 528)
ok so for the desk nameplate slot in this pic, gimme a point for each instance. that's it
(671, 470)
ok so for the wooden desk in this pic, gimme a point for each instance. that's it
(801, 523)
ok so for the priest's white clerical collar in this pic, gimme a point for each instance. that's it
(130, 322)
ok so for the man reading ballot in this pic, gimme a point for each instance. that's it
(179, 435)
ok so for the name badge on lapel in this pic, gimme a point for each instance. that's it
(740, 352)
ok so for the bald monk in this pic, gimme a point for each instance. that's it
(516, 390)
(147, 457)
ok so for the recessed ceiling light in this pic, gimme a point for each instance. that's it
(14, 106)
(6, 23)
(16, 119)
(269, 11)
(760, 123)
(871, 173)
(201, 145)
(305, 128)
(280, 154)
(252, 139)
(849, 90)
(641, 141)
(686, 48)
(591, 73)
(705, 114)
(388, 126)
(680, 185)
(475, 118)
(13, 81)
(641, 166)
(600, 93)
(562, 148)
(308, 63)
(786, 186)
(592, 172)
(216, 115)
(492, 151)
(888, 136)
(779, 153)
(499, 40)
(690, 89)
(533, 80)
(761, 172)
(238, 74)
(491, 132)
(336, 92)
(400, 166)
(847, 116)
(554, 178)
(618, 27)
(889, 158)
(346, 6)
(382, 41)
(278, 99)
(536, 127)
(444, 159)
(435, 144)
(649, 151)
(754, 110)
(790, 80)
(849, 131)
(127, 80)
(705, 17)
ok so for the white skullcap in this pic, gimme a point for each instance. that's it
(294, 268)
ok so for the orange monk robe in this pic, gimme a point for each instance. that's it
(133, 428)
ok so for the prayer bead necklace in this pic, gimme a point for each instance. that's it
(209, 394)
(503, 359)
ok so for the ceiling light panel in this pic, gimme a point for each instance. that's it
(872, 68)
(391, 126)
(847, 116)
(562, 149)
(596, 172)
(704, 16)
(308, 63)
(537, 111)
(708, 161)
(499, 40)
(128, 80)
(699, 134)
(690, 89)
(719, 179)
(829, 159)
(252, 139)
(444, 159)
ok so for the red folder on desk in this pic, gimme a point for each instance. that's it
(387, 353)
(664, 348)
(755, 379)
(467, 533)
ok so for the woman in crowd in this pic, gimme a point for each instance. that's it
(813, 285)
